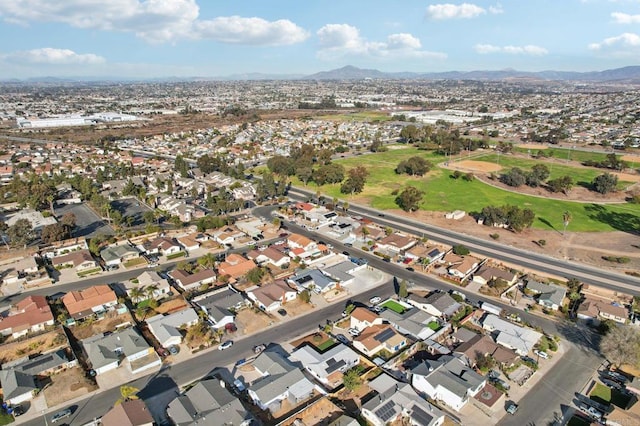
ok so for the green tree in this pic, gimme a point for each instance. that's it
(403, 292)
(562, 184)
(605, 183)
(414, 166)
(352, 379)
(460, 250)
(305, 296)
(255, 275)
(137, 293)
(149, 216)
(53, 232)
(356, 180)
(409, 199)
(566, 219)
(20, 233)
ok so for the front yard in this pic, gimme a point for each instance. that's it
(46, 342)
(91, 327)
(606, 395)
(319, 340)
(394, 306)
(67, 385)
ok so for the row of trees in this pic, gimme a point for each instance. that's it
(535, 177)
(603, 184)
(513, 217)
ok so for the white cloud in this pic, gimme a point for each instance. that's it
(624, 45)
(254, 31)
(337, 40)
(155, 21)
(496, 10)
(453, 11)
(625, 18)
(528, 49)
(51, 56)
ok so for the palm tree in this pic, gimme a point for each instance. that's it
(127, 393)
(365, 233)
(150, 290)
(137, 293)
(345, 206)
(566, 218)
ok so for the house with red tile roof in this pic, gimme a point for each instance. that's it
(30, 315)
(87, 302)
(235, 266)
(375, 338)
(270, 297)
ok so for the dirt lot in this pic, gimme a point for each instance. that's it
(43, 343)
(322, 412)
(477, 166)
(172, 305)
(109, 323)
(67, 385)
(250, 321)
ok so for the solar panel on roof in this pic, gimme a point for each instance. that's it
(304, 279)
(386, 412)
(421, 416)
(384, 335)
(334, 365)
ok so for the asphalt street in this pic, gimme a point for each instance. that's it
(535, 261)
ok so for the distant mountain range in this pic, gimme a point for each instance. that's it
(629, 74)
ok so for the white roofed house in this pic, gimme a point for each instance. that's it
(548, 295)
(162, 245)
(166, 328)
(188, 281)
(269, 255)
(115, 255)
(510, 335)
(80, 260)
(327, 367)
(437, 303)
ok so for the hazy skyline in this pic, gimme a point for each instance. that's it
(162, 38)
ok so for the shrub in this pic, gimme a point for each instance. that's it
(616, 259)
(494, 236)
(542, 243)
(460, 250)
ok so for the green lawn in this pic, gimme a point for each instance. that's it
(581, 175)
(442, 193)
(434, 325)
(394, 306)
(325, 345)
(606, 395)
(566, 153)
(367, 116)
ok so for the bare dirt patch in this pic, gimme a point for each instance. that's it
(322, 412)
(67, 385)
(251, 320)
(172, 305)
(314, 339)
(578, 246)
(46, 342)
(477, 166)
(90, 328)
(631, 158)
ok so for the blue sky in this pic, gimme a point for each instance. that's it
(161, 38)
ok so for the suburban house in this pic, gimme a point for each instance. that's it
(439, 304)
(151, 279)
(510, 335)
(486, 274)
(104, 353)
(18, 270)
(398, 403)
(35, 218)
(61, 248)
(188, 281)
(464, 268)
(414, 322)
(481, 345)
(424, 254)
(166, 328)
(43, 364)
(217, 307)
(271, 256)
(133, 412)
(90, 301)
(115, 255)
(313, 280)
(208, 402)
(327, 367)
(375, 338)
(30, 315)
(396, 243)
(270, 297)
(190, 242)
(235, 266)
(227, 235)
(251, 227)
(362, 318)
(301, 246)
(548, 295)
(162, 245)
(17, 387)
(343, 272)
(595, 310)
(281, 380)
(80, 260)
(447, 380)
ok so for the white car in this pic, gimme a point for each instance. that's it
(225, 345)
(354, 332)
(541, 354)
(375, 300)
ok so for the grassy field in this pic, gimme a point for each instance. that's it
(581, 175)
(566, 153)
(367, 116)
(442, 193)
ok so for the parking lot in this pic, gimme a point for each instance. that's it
(88, 224)
(130, 208)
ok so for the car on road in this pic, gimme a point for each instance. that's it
(342, 339)
(346, 253)
(259, 348)
(512, 407)
(354, 332)
(410, 269)
(282, 312)
(225, 345)
(541, 354)
(60, 415)
(283, 234)
(375, 300)
(380, 214)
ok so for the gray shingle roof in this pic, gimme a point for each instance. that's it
(16, 383)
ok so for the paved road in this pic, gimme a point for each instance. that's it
(535, 261)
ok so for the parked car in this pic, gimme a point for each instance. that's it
(60, 415)
(612, 384)
(376, 309)
(241, 362)
(541, 354)
(17, 410)
(591, 411)
(346, 253)
(354, 332)
(237, 383)
(410, 269)
(259, 348)
(375, 300)
(342, 339)
(512, 407)
(614, 375)
(282, 312)
(529, 360)
(225, 345)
